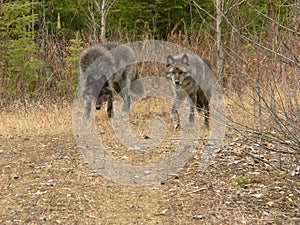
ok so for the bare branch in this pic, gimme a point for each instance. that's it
(262, 160)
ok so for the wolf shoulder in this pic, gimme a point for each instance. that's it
(202, 62)
(202, 73)
(200, 65)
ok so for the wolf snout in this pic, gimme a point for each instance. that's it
(98, 107)
(177, 83)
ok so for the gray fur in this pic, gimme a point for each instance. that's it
(191, 76)
(89, 55)
(107, 70)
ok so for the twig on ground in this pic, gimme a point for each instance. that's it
(262, 160)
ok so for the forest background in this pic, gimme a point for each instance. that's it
(41, 40)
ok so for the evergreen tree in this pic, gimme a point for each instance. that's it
(161, 16)
(19, 51)
(66, 17)
(71, 71)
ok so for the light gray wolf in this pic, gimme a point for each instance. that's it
(191, 76)
(109, 69)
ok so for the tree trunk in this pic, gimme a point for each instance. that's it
(220, 57)
(103, 22)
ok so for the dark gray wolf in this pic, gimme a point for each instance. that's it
(191, 76)
(109, 69)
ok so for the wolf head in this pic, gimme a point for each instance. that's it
(93, 86)
(178, 69)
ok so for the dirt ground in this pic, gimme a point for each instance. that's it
(45, 180)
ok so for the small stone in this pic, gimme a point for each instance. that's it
(198, 217)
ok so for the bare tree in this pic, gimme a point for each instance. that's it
(261, 76)
(220, 56)
(103, 10)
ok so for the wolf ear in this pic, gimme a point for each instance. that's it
(185, 59)
(170, 60)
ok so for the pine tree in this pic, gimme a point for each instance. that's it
(71, 72)
(19, 51)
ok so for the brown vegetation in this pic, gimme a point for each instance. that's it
(253, 180)
(44, 178)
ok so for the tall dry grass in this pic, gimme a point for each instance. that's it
(36, 119)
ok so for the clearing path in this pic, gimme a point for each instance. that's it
(44, 180)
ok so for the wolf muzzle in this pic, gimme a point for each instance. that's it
(177, 84)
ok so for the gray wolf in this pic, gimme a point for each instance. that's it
(109, 69)
(191, 76)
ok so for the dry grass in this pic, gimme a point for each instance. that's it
(44, 178)
(36, 119)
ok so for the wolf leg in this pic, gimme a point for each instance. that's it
(88, 108)
(119, 88)
(206, 115)
(193, 102)
(203, 105)
(99, 102)
(175, 115)
(126, 98)
(179, 98)
(110, 108)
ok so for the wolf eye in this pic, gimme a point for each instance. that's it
(168, 74)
